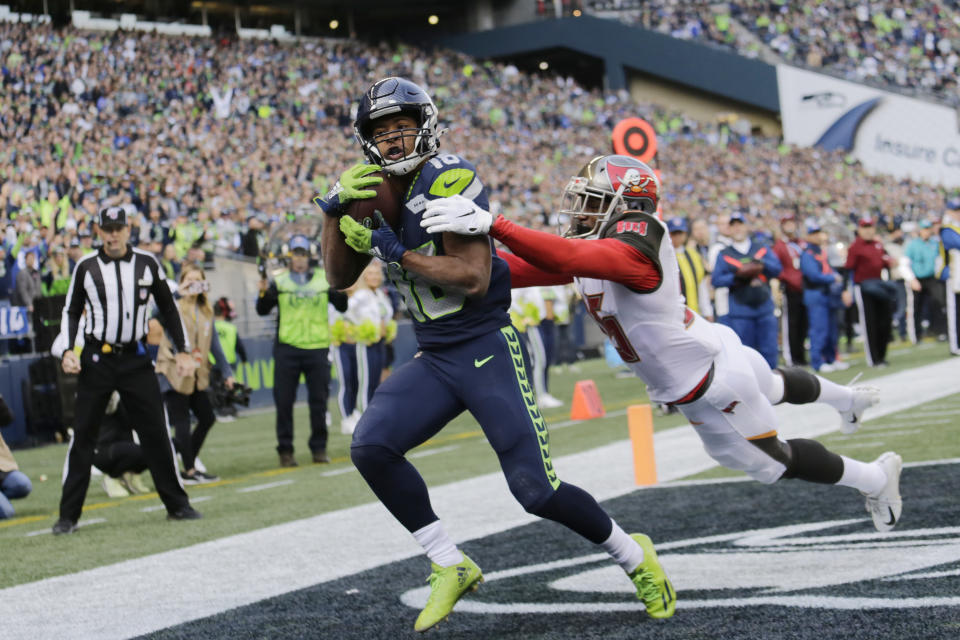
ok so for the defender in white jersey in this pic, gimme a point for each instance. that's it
(619, 255)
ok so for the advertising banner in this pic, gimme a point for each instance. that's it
(887, 132)
(13, 321)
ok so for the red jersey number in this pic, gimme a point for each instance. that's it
(611, 326)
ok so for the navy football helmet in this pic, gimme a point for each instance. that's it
(394, 96)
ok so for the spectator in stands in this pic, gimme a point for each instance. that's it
(56, 275)
(876, 298)
(14, 483)
(169, 262)
(29, 282)
(745, 268)
(252, 240)
(929, 292)
(7, 275)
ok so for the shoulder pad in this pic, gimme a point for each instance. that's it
(447, 175)
(641, 231)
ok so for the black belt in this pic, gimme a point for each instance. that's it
(111, 347)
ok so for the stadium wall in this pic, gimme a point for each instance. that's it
(699, 105)
(625, 49)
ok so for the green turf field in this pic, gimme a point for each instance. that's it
(255, 493)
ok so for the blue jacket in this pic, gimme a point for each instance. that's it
(747, 297)
(819, 279)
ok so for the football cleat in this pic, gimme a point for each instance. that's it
(447, 585)
(886, 505)
(114, 487)
(864, 397)
(653, 586)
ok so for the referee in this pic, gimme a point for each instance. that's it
(114, 286)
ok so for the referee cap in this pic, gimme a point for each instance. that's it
(112, 217)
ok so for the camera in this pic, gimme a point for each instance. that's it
(240, 394)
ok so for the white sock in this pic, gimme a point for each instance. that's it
(623, 549)
(775, 394)
(838, 396)
(865, 476)
(438, 545)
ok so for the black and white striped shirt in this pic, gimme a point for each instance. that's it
(115, 293)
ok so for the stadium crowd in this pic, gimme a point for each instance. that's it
(211, 143)
(901, 44)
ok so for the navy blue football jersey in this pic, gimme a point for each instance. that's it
(442, 317)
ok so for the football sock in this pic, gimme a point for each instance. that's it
(838, 396)
(865, 476)
(775, 394)
(438, 545)
(813, 462)
(577, 510)
(623, 549)
(799, 386)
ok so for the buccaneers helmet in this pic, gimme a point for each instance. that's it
(606, 186)
(395, 96)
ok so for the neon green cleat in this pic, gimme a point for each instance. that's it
(447, 585)
(653, 586)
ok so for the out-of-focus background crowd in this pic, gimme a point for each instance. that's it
(217, 144)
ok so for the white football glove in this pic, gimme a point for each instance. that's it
(456, 214)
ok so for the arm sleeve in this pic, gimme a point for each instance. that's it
(723, 274)
(217, 350)
(950, 236)
(852, 255)
(771, 264)
(906, 269)
(241, 351)
(605, 259)
(168, 309)
(73, 306)
(812, 271)
(523, 274)
(268, 300)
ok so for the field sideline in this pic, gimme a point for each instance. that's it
(232, 568)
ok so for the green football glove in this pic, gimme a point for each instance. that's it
(356, 235)
(355, 181)
(381, 243)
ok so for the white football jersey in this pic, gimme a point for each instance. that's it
(667, 345)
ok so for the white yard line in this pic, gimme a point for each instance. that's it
(423, 453)
(82, 523)
(160, 507)
(268, 485)
(256, 567)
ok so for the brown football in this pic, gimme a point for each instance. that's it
(387, 202)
